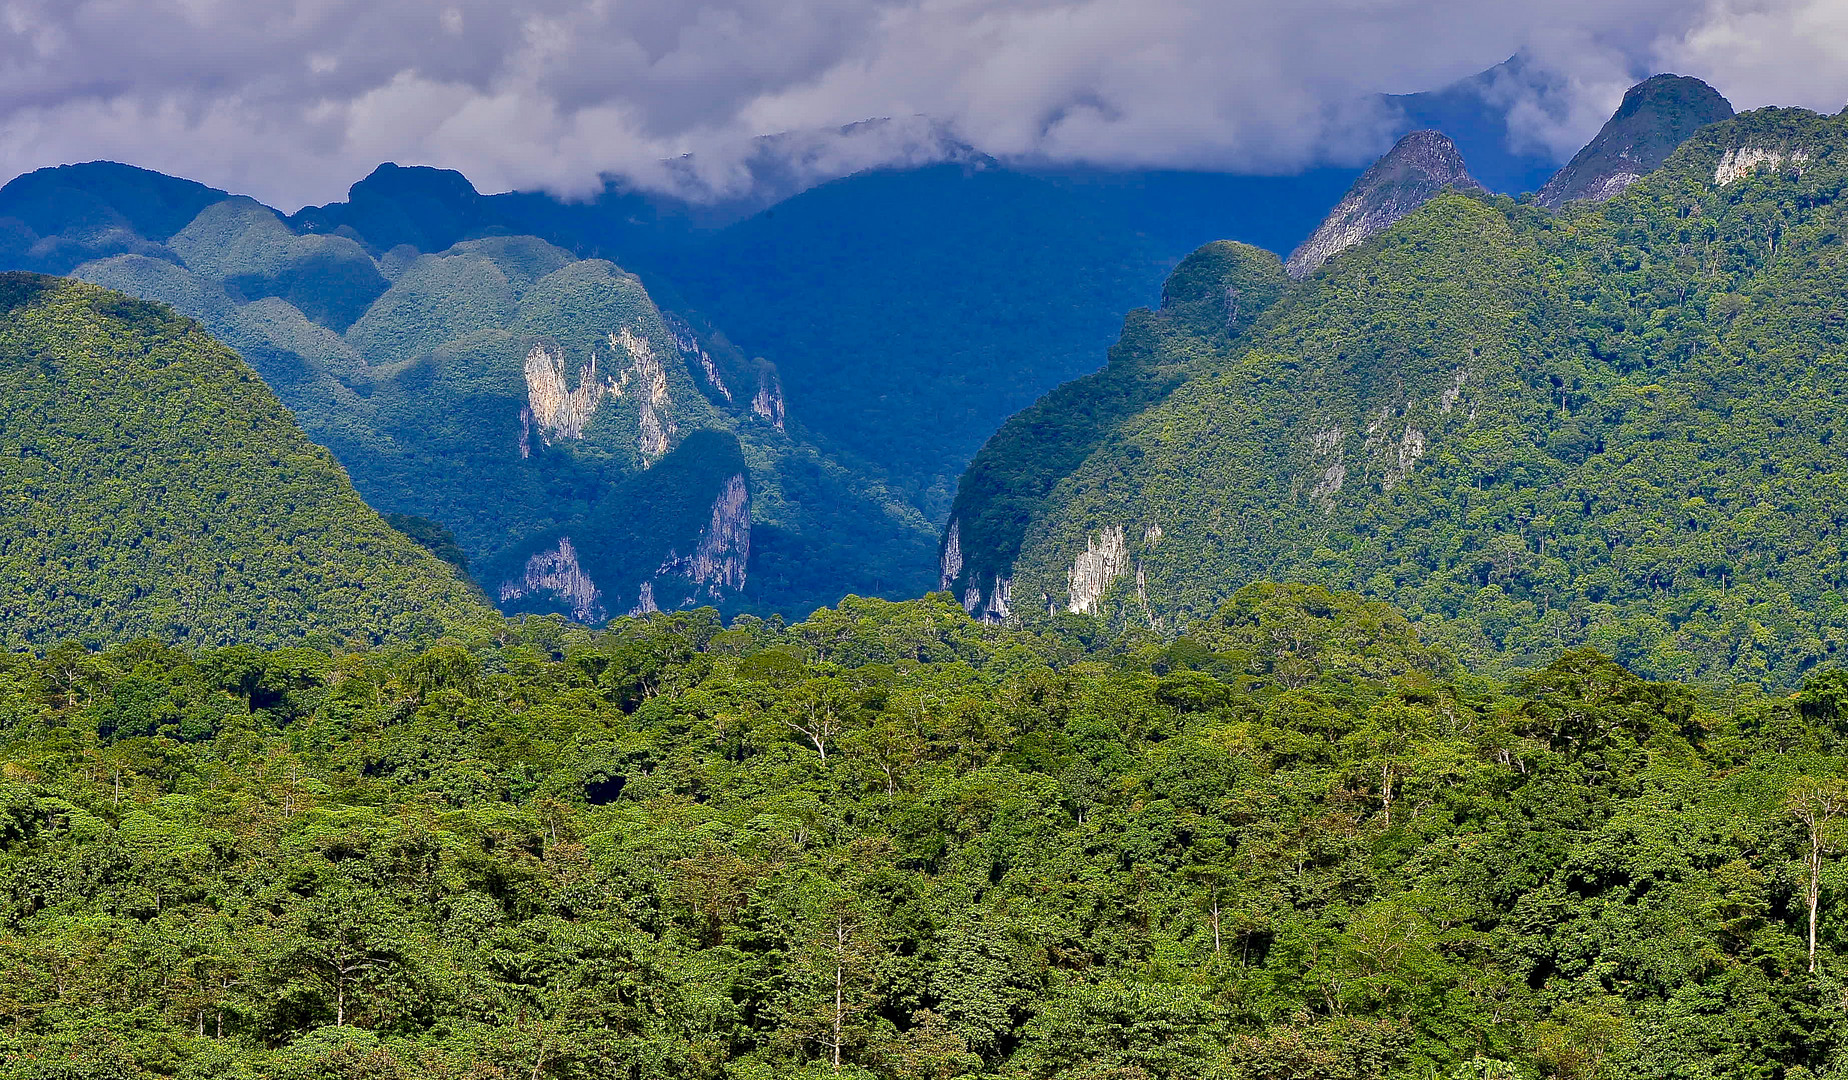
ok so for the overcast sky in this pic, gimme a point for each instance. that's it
(293, 100)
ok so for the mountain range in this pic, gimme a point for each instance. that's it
(593, 442)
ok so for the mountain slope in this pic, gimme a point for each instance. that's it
(1417, 167)
(1612, 426)
(1656, 116)
(156, 488)
(510, 391)
(1215, 294)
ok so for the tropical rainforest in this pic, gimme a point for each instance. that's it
(892, 842)
(1428, 669)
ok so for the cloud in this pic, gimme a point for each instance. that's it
(291, 100)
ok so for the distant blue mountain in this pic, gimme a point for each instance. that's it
(1468, 111)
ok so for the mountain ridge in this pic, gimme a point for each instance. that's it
(1441, 421)
(1417, 167)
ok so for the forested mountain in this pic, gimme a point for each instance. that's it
(590, 452)
(153, 487)
(1656, 117)
(1612, 425)
(1215, 294)
(889, 842)
(1415, 169)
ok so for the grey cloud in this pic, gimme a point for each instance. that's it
(291, 100)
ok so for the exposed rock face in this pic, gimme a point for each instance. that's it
(998, 605)
(644, 601)
(718, 563)
(557, 572)
(1656, 116)
(768, 403)
(1738, 164)
(949, 567)
(560, 412)
(646, 378)
(1104, 559)
(1417, 168)
(687, 341)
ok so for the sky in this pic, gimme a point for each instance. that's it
(293, 100)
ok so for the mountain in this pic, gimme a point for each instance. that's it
(1213, 296)
(157, 489)
(53, 219)
(1656, 116)
(1417, 167)
(902, 331)
(1475, 112)
(1529, 431)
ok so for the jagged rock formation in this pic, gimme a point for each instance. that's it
(558, 573)
(1656, 116)
(768, 402)
(655, 429)
(1103, 560)
(686, 339)
(559, 412)
(1416, 168)
(950, 563)
(719, 562)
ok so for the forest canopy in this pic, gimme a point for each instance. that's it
(891, 842)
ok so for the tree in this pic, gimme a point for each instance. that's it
(1817, 803)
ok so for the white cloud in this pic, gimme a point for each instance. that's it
(291, 100)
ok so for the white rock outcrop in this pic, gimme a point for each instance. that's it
(1104, 559)
(687, 341)
(767, 404)
(949, 567)
(559, 411)
(558, 573)
(721, 558)
(1742, 162)
(646, 380)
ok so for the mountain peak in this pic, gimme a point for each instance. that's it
(1657, 115)
(1417, 167)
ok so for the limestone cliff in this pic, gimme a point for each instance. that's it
(1417, 168)
(558, 573)
(768, 402)
(646, 380)
(720, 559)
(1104, 559)
(559, 411)
(1656, 116)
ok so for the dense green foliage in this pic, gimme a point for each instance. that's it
(889, 842)
(150, 485)
(1615, 426)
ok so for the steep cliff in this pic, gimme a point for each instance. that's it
(1417, 168)
(1656, 117)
